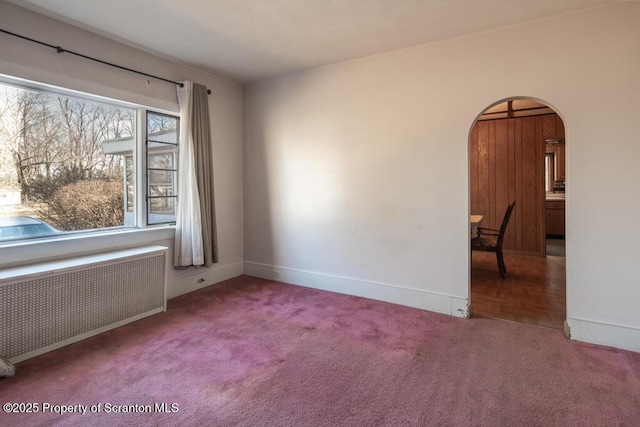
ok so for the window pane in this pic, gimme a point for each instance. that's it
(161, 161)
(165, 178)
(63, 164)
(162, 129)
(162, 210)
(163, 205)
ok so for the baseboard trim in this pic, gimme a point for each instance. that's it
(417, 298)
(605, 333)
(203, 277)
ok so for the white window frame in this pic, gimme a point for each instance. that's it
(139, 154)
(146, 161)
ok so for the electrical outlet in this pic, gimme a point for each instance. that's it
(276, 274)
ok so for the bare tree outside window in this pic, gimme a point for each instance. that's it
(51, 153)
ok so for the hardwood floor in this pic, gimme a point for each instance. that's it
(533, 292)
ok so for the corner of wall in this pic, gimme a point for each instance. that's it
(416, 298)
(203, 277)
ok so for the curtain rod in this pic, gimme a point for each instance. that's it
(60, 49)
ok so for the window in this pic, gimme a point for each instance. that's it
(549, 167)
(69, 163)
(162, 172)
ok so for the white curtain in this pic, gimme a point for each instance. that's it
(189, 248)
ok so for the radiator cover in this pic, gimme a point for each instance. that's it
(47, 306)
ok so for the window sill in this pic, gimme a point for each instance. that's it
(25, 252)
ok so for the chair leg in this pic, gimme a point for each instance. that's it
(501, 266)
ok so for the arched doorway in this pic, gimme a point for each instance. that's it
(516, 154)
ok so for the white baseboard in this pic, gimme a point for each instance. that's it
(580, 329)
(417, 298)
(605, 333)
(203, 277)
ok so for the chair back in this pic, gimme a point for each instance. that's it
(505, 222)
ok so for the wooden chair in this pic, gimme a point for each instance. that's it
(490, 240)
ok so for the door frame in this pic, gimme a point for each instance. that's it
(541, 185)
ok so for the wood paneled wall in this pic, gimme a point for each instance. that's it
(507, 164)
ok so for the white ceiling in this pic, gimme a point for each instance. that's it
(248, 40)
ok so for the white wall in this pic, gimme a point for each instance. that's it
(356, 174)
(23, 59)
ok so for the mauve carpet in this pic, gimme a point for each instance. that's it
(250, 352)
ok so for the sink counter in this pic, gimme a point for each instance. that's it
(555, 197)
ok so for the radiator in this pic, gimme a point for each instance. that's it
(50, 305)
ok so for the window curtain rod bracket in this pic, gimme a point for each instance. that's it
(60, 49)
